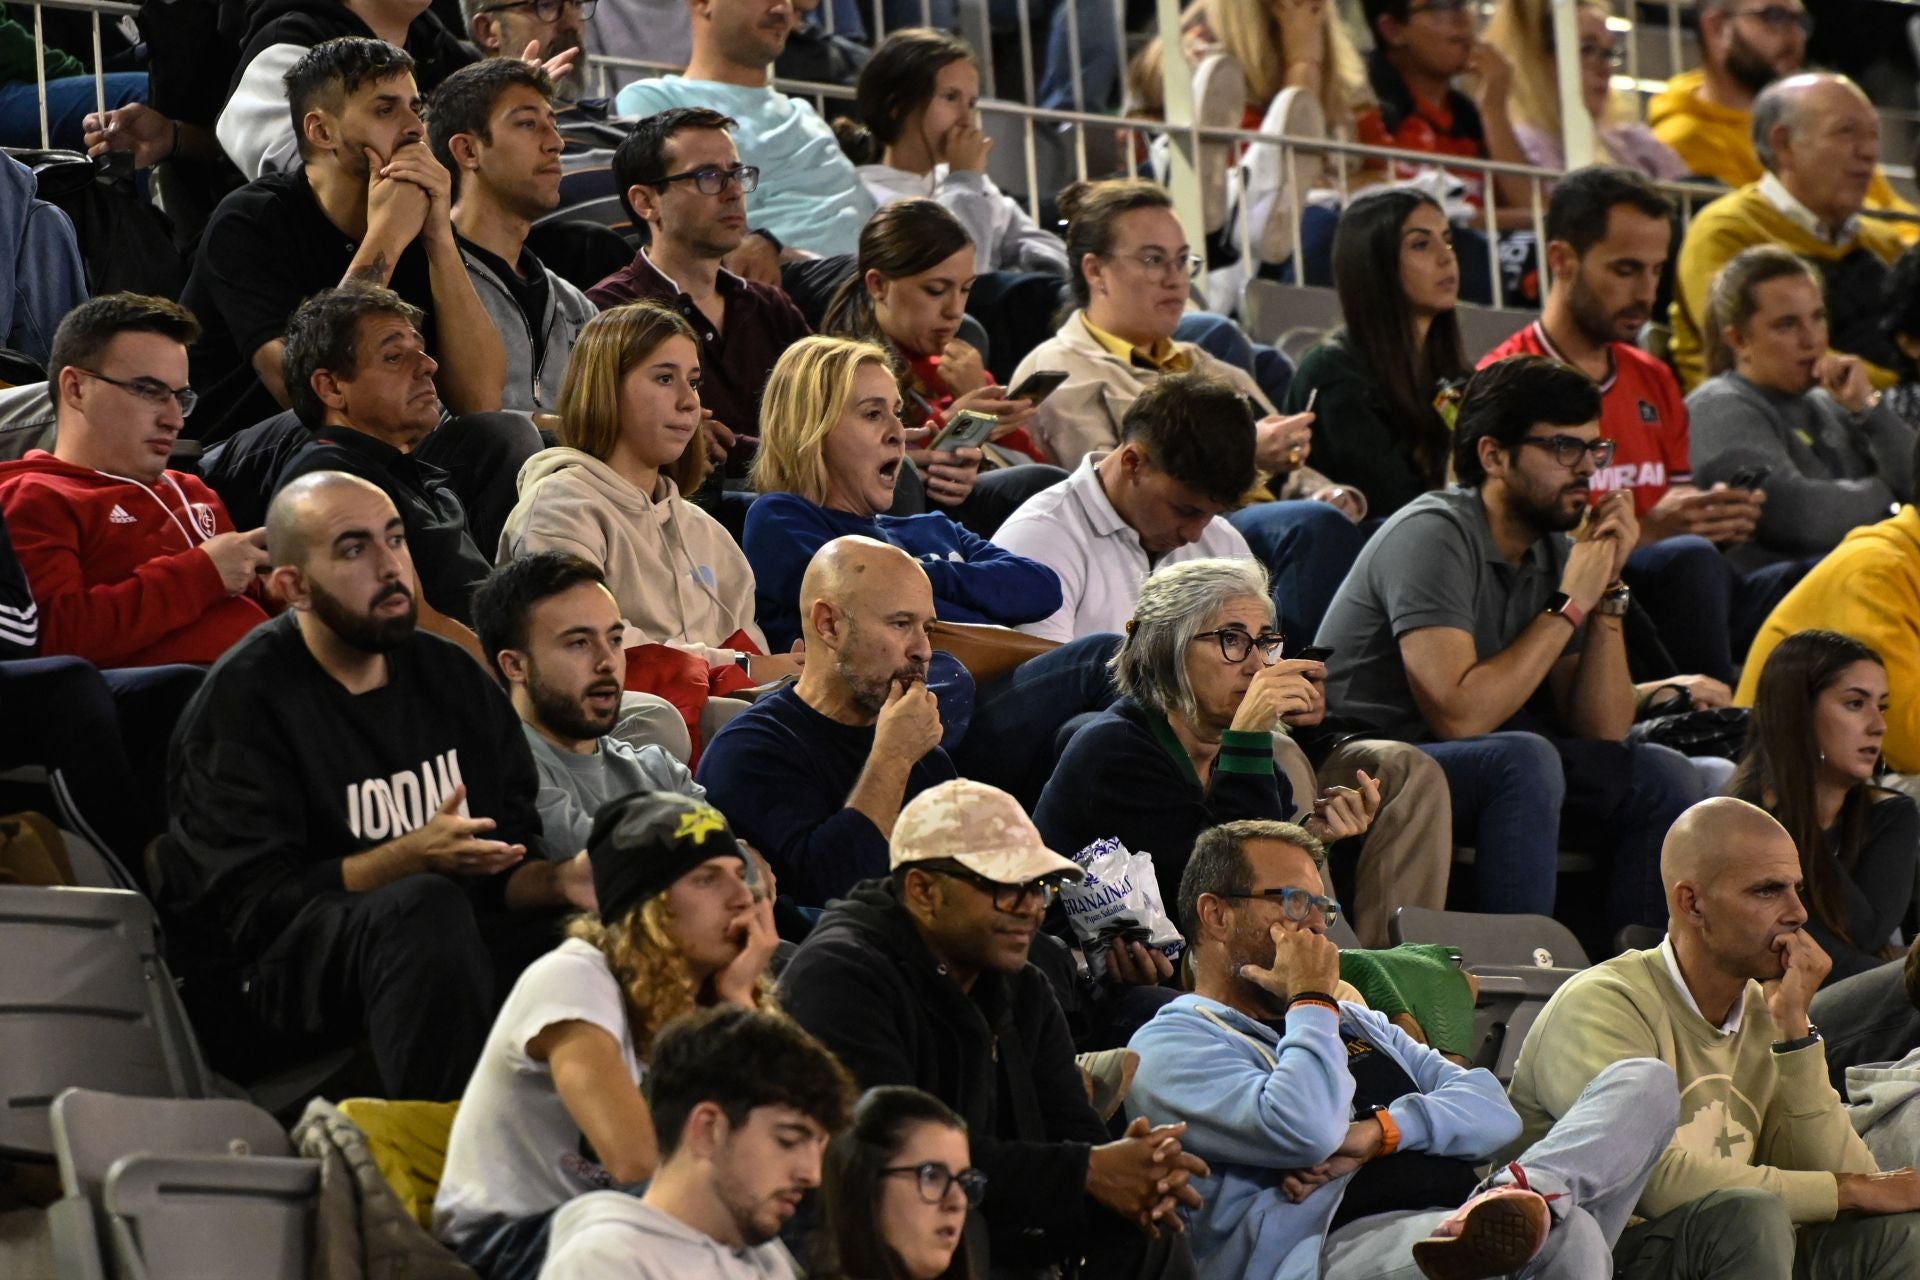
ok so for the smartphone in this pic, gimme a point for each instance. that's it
(965, 430)
(1748, 477)
(1314, 653)
(1038, 386)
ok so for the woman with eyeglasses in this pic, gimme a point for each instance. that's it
(1785, 415)
(897, 1185)
(1189, 745)
(1523, 31)
(1812, 753)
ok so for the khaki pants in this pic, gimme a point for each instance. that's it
(1409, 849)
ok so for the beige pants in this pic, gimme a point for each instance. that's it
(1409, 849)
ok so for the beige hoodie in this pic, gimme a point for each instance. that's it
(677, 575)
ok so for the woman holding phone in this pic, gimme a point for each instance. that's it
(908, 293)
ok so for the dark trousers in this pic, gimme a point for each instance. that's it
(1016, 718)
(1307, 548)
(482, 454)
(102, 738)
(996, 495)
(1707, 611)
(410, 966)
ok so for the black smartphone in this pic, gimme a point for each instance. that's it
(1038, 386)
(1314, 653)
(1748, 477)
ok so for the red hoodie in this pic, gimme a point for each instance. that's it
(116, 566)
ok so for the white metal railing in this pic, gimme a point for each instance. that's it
(95, 7)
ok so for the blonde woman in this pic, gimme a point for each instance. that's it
(831, 450)
(555, 1108)
(632, 444)
(1522, 30)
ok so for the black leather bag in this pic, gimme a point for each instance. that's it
(1717, 731)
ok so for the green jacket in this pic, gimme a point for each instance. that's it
(16, 54)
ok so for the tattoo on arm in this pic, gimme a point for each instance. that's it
(374, 272)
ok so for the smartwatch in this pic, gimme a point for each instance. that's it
(1561, 605)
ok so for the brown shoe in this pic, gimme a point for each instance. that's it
(1497, 1232)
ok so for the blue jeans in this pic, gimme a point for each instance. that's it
(1510, 794)
(1017, 716)
(1706, 610)
(69, 100)
(1307, 548)
(1224, 340)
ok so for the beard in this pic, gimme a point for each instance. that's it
(566, 714)
(1744, 63)
(363, 631)
(869, 693)
(1253, 945)
(1595, 322)
(1550, 515)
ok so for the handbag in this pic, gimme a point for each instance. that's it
(1714, 731)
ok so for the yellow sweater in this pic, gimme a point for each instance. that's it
(1868, 587)
(1717, 142)
(1739, 221)
(1748, 1117)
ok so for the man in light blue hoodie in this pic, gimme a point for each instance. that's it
(1341, 1148)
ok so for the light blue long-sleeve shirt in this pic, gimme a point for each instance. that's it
(809, 194)
(1258, 1105)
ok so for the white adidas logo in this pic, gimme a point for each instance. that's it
(119, 515)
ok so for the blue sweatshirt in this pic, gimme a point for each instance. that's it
(1258, 1105)
(973, 580)
(782, 772)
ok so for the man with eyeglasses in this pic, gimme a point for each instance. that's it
(132, 564)
(814, 201)
(679, 175)
(542, 29)
(492, 127)
(1819, 140)
(1474, 625)
(923, 979)
(1338, 1146)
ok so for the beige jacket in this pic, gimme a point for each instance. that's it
(1083, 415)
(677, 575)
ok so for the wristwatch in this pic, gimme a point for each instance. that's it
(1561, 605)
(1613, 604)
(1806, 1041)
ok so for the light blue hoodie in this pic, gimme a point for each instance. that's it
(1258, 1105)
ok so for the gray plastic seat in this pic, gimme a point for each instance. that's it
(86, 1001)
(159, 1188)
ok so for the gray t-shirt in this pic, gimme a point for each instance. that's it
(574, 786)
(1433, 564)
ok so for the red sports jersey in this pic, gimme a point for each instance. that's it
(1641, 411)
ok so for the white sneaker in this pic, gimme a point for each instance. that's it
(1219, 102)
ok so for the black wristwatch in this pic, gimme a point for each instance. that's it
(1806, 1041)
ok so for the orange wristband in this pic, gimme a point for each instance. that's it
(1389, 1133)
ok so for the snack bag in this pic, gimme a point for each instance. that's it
(1120, 898)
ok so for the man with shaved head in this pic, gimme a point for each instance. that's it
(1765, 1177)
(353, 815)
(1819, 140)
(814, 775)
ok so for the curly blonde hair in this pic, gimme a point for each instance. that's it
(651, 969)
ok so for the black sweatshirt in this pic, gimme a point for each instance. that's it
(1001, 1056)
(19, 616)
(277, 774)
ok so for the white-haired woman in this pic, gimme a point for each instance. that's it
(1189, 745)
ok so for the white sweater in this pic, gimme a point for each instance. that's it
(1004, 237)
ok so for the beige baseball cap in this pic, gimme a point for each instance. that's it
(980, 827)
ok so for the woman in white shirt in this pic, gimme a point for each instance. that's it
(554, 1108)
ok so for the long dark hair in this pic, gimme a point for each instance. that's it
(896, 82)
(903, 239)
(1379, 324)
(1780, 756)
(851, 1245)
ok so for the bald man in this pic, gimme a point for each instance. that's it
(351, 797)
(1819, 140)
(1765, 1176)
(814, 775)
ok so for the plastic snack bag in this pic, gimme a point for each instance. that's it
(1119, 899)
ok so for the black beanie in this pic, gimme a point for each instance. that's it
(642, 843)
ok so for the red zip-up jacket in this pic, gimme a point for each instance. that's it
(116, 566)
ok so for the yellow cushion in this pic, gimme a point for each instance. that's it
(409, 1143)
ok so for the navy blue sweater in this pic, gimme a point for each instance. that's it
(1125, 776)
(781, 772)
(973, 580)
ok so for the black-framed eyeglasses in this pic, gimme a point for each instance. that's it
(1006, 897)
(151, 390)
(712, 180)
(1613, 55)
(1236, 644)
(1566, 450)
(545, 10)
(1296, 904)
(1779, 17)
(935, 1180)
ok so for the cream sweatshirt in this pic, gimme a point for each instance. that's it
(677, 575)
(1748, 1117)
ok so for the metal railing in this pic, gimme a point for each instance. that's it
(95, 7)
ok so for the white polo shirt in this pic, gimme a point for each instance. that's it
(1074, 530)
